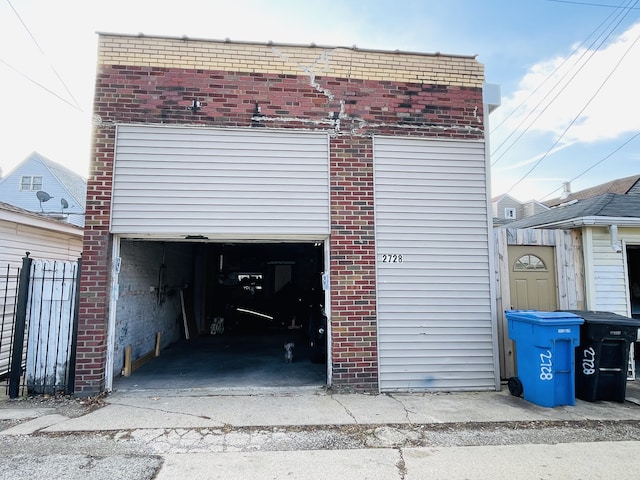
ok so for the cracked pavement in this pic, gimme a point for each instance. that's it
(314, 434)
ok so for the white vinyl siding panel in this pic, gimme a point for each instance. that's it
(18, 239)
(203, 181)
(609, 273)
(434, 309)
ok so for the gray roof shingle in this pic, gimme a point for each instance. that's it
(607, 205)
(619, 185)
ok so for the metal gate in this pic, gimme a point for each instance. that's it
(39, 326)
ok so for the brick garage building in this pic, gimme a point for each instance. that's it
(361, 171)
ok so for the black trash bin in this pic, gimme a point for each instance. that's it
(602, 359)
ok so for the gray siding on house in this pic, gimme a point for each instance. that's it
(240, 183)
(434, 308)
(508, 202)
(533, 208)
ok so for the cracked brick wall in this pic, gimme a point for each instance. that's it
(350, 93)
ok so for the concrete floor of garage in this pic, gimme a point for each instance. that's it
(227, 361)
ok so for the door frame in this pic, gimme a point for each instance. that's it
(115, 264)
(545, 254)
(570, 280)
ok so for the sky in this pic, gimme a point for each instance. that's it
(567, 71)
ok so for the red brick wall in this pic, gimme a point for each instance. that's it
(351, 110)
(353, 280)
(96, 258)
(156, 95)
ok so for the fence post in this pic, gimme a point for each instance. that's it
(71, 381)
(18, 334)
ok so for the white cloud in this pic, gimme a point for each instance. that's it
(532, 160)
(594, 89)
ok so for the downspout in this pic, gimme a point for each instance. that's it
(615, 243)
(587, 255)
(491, 99)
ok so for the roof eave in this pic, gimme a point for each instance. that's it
(44, 223)
(593, 221)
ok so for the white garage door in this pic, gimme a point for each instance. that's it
(236, 183)
(433, 269)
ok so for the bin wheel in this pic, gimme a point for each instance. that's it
(515, 386)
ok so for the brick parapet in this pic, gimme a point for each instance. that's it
(336, 62)
(341, 106)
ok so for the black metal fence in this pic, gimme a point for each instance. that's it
(38, 330)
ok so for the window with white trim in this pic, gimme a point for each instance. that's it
(30, 183)
(510, 213)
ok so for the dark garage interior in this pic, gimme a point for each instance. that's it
(226, 315)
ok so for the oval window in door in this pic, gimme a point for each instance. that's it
(528, 263)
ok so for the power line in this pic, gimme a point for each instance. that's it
(587, 4)
(592, 50)
(77, 105)
(574, 119)
(549, 77)
(41, 86)
(579, 113)
(595, 164)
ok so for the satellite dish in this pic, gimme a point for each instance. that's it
(43, 196)
(64, 203)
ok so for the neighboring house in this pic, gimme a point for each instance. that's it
(609, 225)
(507, 209)
(606, 270)
(62, 192)
(533, 207)
(22, 231)
(622, 186)
(583, 253)
(227, 170)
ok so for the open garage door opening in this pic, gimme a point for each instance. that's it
(199, 314)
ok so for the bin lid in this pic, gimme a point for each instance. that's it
(544, 318)
(610, 318)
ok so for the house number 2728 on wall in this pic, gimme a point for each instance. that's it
(392, 258)
(546, 366)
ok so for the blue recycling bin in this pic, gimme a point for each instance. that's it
(545, 355)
